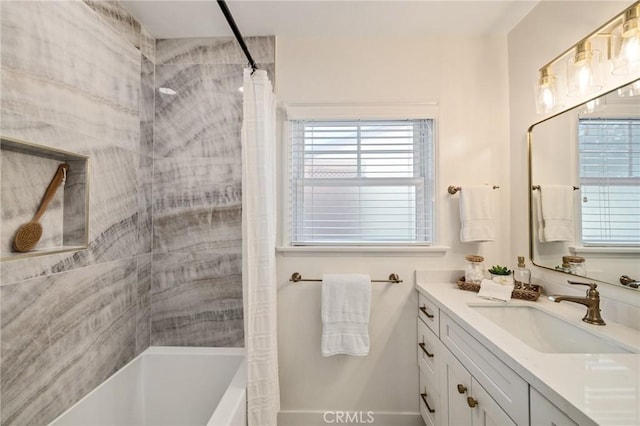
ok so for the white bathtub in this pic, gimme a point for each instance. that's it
(169, 386)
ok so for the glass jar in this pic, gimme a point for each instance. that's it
(522, 275)
(473, 269)
(576, 265)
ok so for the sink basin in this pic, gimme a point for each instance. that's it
(547, 333)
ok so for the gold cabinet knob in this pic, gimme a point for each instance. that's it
(462, 388)
(472, 402)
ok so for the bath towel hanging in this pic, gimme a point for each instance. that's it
(555, 213)
(346, 305)
(477, 214)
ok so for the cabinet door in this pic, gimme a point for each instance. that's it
(458, 381)
(508, 389)
(486, 411)
(544, 413)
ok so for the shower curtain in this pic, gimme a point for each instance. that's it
(258, 248)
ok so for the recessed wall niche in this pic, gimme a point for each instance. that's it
(27, 170)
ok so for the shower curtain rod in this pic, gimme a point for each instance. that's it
(236, 32)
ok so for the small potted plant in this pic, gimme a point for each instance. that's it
(501, 275)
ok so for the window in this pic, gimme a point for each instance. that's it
(609, 164)
(361, 182)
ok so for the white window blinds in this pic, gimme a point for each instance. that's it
(361, 182)
(609, 164)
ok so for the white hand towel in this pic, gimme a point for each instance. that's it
(539, 218)
(346, 304)
(490, 289)
(557, 212)
(477, 216)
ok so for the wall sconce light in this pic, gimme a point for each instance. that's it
(632, 89)
(595, 105)
(620, 37)
(546, 92)
(625, 40)
(583, 70)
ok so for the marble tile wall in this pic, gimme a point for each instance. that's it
(196, 289)
(62, 335)
(77, 76)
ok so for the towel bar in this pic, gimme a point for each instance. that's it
(393, 278)
(537, 188)
(455, 189)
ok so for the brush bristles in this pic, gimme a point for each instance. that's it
(27, 237)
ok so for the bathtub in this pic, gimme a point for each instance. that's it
(169, 386)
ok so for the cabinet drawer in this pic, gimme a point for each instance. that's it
(429, 313)
(508, 389)
(429, 402)
(429, 350)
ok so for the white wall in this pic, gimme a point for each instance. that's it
(546, 32)
(467, 77)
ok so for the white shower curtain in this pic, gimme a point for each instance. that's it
(258, 248)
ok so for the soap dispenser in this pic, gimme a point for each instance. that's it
(522, 275)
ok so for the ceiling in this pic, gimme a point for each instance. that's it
(330, 18)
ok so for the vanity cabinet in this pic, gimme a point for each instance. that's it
(454, 394)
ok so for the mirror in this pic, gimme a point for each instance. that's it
(584, 189)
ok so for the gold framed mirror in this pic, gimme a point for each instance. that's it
(584, 189)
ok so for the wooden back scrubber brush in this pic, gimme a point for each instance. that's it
(29, 233)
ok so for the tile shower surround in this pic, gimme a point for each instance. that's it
(77, 76)
(196, 290)
(164, 257)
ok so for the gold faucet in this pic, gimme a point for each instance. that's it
(592, 302)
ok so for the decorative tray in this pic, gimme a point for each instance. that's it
(531, 293)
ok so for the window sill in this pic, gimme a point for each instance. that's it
(363, 250)
(617, 251)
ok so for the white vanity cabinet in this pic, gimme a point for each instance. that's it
(487, 362)
(454, 394)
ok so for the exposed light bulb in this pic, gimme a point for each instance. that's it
(626, 43)
(241, 89)
(546, 98)
(584, 78)
(583, 71)
(631, 49)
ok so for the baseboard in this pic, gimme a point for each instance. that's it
(337, 418)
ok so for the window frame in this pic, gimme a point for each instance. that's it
(341, 112)
(598, 181)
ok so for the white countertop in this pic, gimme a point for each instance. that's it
(600, 389)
